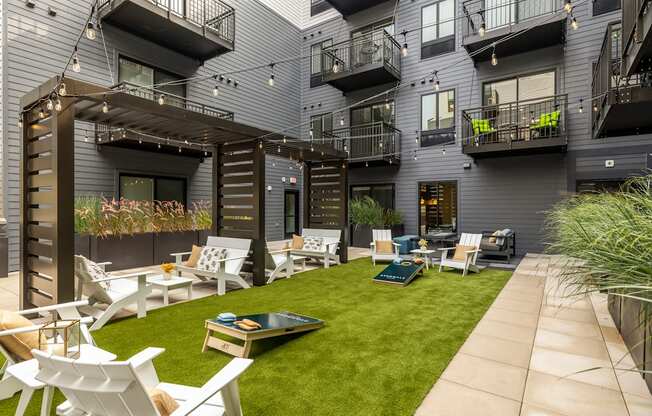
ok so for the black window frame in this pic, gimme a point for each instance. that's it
(373, 185)
(297, 216)
(611, 6)
(516, 77)
(323, 130)
(371, 105)
(155, 179)
(316, 79)
(441, 45)
(154, 68)
(319, 6)
(457, 202)
(438, 136)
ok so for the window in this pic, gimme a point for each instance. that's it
(527, 87)
(321, 126)
(319, 6)
(605, 6)
(438, 33)
(317, 61)
(383, 193)
(140, 74)
(291, 214)
(374, 113)
(368, 43)
(437, 118)
(152, 188)
(437, 207)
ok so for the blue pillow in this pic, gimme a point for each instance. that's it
(226, 317)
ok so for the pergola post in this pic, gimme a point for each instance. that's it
(47, 207)
(259, 245)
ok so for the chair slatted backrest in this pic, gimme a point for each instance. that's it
(272, 261)
(473, 240)
(235, 247)
(87, 271)
(381, 235)
(100, 389)
(329, 236)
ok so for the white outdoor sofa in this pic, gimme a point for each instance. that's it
(327, 251)
(228, 270)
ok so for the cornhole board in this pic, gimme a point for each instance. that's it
(274, 324)
(400, 274)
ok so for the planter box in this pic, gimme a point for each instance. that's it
(125, 252)
(648, 354)
(632, 329)
(361, 235)
(166, 243)
(614, 305)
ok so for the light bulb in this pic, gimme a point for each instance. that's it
(161, 99)
(91, 34)
(179, 150)
(158, 145)
(387, 107)
(595, 108)
(62, 89)
(494, 59)
(105, 107)
(216, 91)
(574, 24)
(75, 62)
(581, 107)
(41, 113)
(568, 7)
(57, 105)
(341, 121)
(278, 149)
(336, 67)
(20, 122)
(443, 151)
(404, 49)
(482, 30)
(50, 105)
(437, 85)
(285, 139)
(86, 138)
(366, 164)
(260, 145)
(415, 155)
(270, 81)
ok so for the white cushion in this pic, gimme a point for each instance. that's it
(88, 272)
(332, 248)
(210, 257)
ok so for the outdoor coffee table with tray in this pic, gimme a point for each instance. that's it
(400, 273)
(175, 282)
(272, 325)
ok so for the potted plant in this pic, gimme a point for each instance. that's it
(367, 214)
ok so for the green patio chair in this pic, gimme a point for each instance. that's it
(548, 124)
(481, 126)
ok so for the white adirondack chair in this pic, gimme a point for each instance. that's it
(237, 251)
(121, 387)
(383, 235)
(470, 256)
(11, 384)
(328, 251)
(278, 262)
(115, 291)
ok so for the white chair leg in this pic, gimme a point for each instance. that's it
(46, 403)
(326, 261)
(221, 287)
(105, 316)
(231, 399)
(9, 386)
(25, 397)
(142, 298)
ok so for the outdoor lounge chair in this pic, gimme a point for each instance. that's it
(547, 125)
(470, 256)
(127, 387)
(326, 251)
(11, 384)
(499, 244)
(115, 291)
(278, 262)
(224, 268)
(383, 235)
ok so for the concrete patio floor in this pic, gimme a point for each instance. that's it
(526, 356)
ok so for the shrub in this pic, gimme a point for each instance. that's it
(367, 211)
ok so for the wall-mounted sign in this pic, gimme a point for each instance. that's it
(293, 180)
(609, 163)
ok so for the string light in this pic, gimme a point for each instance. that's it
(86, 137)
(62, 89)
(50, 104)
(41, 113)
(436, 81)
(91, 34)
(124, 134)
(404, 49)
(336, 66)
(482, 29)
(415, 155)
(366, 164)
(278, 149)
(270, 81)
(595, 107)
(216, 91)
(179, 149)
(20, 122)
(76, 66)
(158, 145)
(285, 139)
(494, 59)
(57, 105)
(574, 24)
(105, 107)
(161, 99)
(341, 120)
(443, 150)
(580, 109)
(260, 144)
(568, 7)
(387, 106)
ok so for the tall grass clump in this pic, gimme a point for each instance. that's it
(607, 241)
(367, 211)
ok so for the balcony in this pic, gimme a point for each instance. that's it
(200, 29)
(517, 128)
(490, 21)
(155, 142)
(363, 62)
(636, 36)
(349, 7)
(374, 144)
(622, 103)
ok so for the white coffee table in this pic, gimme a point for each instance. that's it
(25, 373)
(175, 282)
(425, 255)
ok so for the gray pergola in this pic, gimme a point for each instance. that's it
(47, 180)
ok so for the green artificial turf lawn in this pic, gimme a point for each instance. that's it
(382, 348)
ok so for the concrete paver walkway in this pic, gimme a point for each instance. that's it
(529, 354)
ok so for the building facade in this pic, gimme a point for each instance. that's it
(434, 130)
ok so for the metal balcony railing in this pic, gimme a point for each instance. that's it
(495, 14)
(520, 121)
(632, 12)
(606, 73)
(377, 47)
(173, 100)
(213, 15)
(371, 141)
